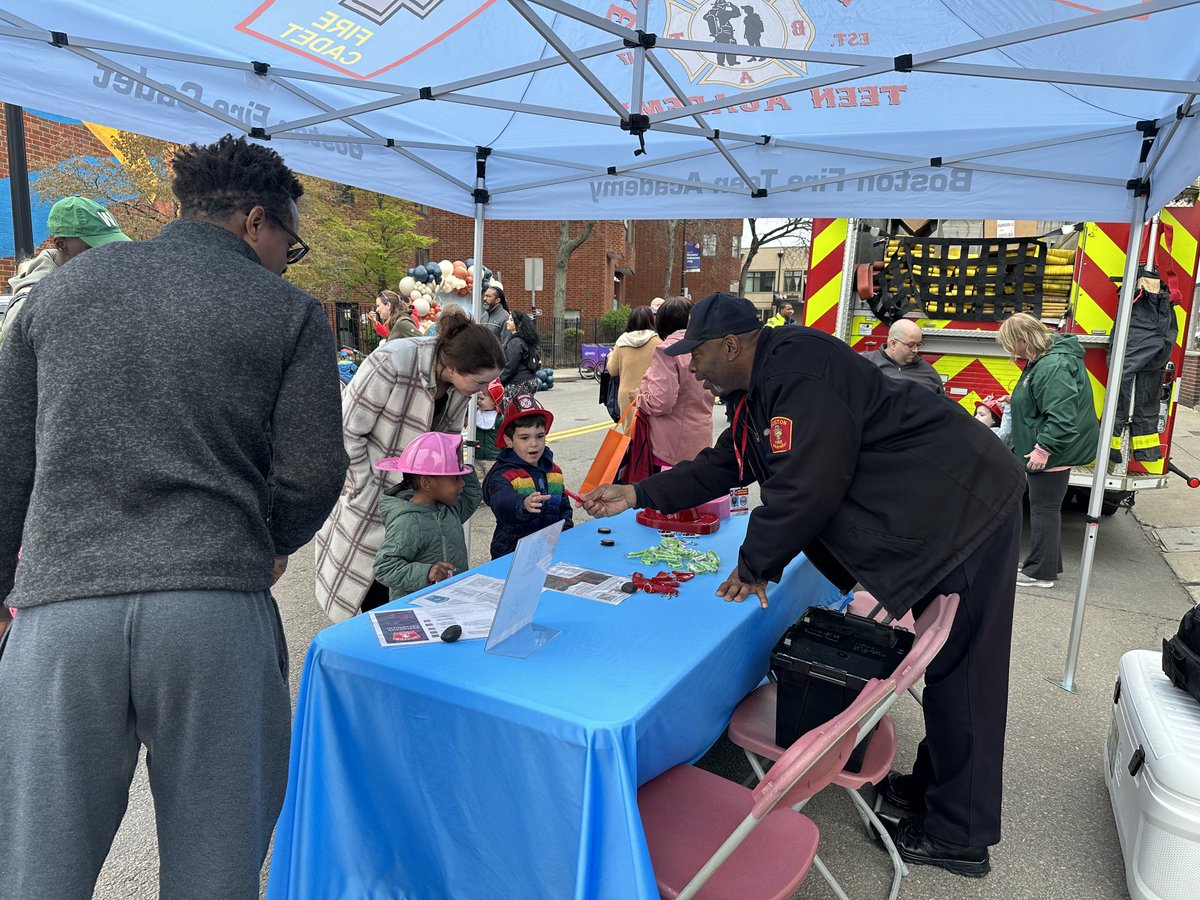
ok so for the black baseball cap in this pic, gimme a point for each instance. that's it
(714, 317)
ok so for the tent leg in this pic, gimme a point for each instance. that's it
(476, 313)
(18, 173)
(1116, 363)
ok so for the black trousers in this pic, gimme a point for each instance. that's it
(1046, 493)
(960, 762)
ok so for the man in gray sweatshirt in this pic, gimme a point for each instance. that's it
(165, 447)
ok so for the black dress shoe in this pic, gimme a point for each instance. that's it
(919, 849)
(898, 791)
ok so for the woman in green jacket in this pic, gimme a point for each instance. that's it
(1054, 427)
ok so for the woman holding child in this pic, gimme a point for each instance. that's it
(402, 389)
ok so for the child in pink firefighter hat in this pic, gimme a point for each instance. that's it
(423, 515)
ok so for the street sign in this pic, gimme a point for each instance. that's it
(691, 257)
(533, 273)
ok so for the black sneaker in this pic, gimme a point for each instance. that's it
(919, 849)
(898, 790)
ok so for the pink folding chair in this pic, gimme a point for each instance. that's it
(753, 729)
(713, 838)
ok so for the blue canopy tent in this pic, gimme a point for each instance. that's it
(603, 109)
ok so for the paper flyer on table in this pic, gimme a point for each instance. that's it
(408, 627)
(472, 589)
(589, 583)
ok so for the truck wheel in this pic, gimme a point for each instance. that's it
(1114, 500)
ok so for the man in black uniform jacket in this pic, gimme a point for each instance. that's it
(878, 481)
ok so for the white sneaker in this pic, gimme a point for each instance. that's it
(1024, 580)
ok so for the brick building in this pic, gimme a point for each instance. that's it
(620, 264)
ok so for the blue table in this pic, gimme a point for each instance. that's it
(441, 771)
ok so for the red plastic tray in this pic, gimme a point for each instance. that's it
(686, 521)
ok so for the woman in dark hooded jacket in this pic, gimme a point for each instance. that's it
(521, 358)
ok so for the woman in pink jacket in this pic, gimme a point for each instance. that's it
(677, 406)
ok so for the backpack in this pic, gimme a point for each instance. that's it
(1181, 654)
(534, 358)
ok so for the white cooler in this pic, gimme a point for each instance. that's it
(1152, 769)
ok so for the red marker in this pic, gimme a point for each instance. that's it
(574, 496)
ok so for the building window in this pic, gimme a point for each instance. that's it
(737, 246)
(760, 282)
(708, 245)
(793, 280)
(422, 256)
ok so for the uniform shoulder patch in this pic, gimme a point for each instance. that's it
(781, 434)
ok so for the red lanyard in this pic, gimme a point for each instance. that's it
(739, 453)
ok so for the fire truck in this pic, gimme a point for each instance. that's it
(863, 274)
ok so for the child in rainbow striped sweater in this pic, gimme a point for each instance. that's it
(524, 488)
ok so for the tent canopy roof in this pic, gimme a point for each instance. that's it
(1042, 109)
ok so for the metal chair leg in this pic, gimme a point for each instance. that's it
(756, 765)
(916, 696)
(829, 879)
(899, 869)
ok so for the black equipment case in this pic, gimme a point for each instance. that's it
(823, 662)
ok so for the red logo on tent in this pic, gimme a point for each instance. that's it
(360, 38)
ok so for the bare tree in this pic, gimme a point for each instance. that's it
(672, 228)
(566, 246)
(801, 228)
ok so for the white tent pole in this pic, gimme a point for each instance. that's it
(1116, 364)
(481, 155)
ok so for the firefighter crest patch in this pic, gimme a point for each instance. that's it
(781, 434)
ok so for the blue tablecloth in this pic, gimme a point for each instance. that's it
(444, 772)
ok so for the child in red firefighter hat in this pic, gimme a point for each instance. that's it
(993, 412)
(524, 488)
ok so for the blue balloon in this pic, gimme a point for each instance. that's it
(434, 270)
(469, 262)
(421, 274)
(487, 273)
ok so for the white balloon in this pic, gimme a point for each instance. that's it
(406, 285)
(446, 265)
(421, 307)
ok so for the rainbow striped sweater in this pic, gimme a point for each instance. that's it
(508, 483)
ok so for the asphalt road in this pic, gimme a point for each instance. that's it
(1059, 838)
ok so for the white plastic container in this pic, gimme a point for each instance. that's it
(1152, 770)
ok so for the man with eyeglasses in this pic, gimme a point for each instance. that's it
(157, 474)
(900, 357)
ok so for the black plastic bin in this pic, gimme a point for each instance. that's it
(822, 662)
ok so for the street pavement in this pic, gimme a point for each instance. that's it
(1059, 839)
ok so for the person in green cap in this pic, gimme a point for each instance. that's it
(76, 224)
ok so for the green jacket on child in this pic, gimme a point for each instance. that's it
(417, 535)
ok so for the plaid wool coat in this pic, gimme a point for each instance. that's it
(389, 402)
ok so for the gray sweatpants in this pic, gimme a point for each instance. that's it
(199, 678)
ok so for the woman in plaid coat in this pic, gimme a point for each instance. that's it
(401, 390)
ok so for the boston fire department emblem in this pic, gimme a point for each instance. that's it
(750, 23)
